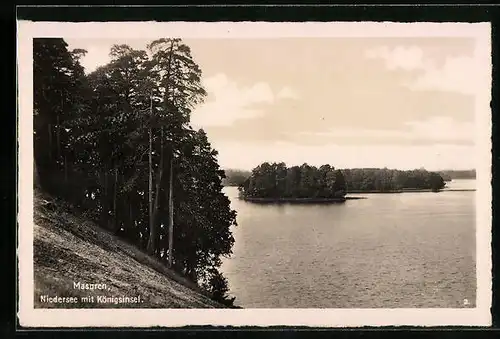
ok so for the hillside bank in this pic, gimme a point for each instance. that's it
(79, 265)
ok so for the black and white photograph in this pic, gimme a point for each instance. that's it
(316, 174)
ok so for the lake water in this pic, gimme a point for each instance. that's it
(390, 250)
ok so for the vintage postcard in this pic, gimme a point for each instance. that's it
(254, 174)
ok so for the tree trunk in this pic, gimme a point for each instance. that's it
(49, 128)
(159, 176)
(58, 130)
(170, 181)
(36, 177)
(171, 215)
(104, 200)
(131, 232)
(151, 241)
(66, 189)
(154, 234)
(101, 199)
(65, 170)
(58, 138)
(115, 195)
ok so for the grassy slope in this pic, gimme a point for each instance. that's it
(69, 249)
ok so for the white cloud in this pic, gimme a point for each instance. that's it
(233, 102)
(224, 89)
(357, 133)
(458, 74)
(443, 129)
(407, 58)
(96, 55)
(435, 129)
(287, 93)
(432, 157)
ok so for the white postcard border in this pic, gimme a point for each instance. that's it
(31, 317)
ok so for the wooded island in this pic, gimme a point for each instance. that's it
(275, 182)
(295, 184)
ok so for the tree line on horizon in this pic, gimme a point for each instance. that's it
(449, 175)
(117, 145)
(235, 177)
(388, 180)
(276, 180)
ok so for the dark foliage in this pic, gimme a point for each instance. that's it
(449, 175)
(118, 146)
(388, 180)
(235, 177)
(277, 181)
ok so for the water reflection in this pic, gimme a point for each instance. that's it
(390, 250)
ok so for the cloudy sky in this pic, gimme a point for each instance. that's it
(350, 102)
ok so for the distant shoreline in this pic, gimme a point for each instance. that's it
(342, 200)
(426, 190)
(404, 190)
(296, 200)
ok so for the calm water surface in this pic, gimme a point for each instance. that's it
(390, 250)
